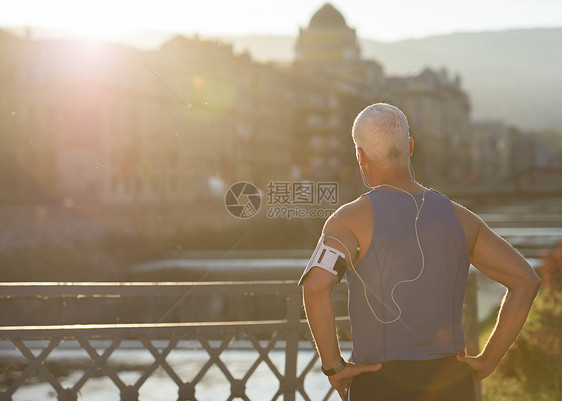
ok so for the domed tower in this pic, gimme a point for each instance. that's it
(327, 39)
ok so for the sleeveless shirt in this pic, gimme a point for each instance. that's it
(430, 323)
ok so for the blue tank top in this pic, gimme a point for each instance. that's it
(430, 324)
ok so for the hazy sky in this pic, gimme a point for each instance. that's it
(385, 20)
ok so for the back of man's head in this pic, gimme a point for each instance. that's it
(382, 131)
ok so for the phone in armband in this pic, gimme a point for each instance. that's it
(327, 258)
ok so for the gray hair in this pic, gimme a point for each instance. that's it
(382, 131)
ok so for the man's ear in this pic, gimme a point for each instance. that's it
(411, 141)
(361, 157)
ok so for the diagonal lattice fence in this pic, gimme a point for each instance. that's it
(262, 337)
(248, 360)
(29, 353)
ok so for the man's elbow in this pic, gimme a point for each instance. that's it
(313, 286)
(530, 286)
(535, 284)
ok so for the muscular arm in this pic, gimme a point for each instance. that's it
(317, 295)
(497, 259)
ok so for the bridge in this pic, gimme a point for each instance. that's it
(26, 348)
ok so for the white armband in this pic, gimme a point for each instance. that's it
(327, 258)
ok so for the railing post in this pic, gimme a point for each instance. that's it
(292, 346)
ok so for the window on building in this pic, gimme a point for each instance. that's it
(316, 99)
(314, 120)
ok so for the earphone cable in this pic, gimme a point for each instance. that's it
(418, 211)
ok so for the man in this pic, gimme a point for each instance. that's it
(406, 251)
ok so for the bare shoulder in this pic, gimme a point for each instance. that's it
(493, 255)
(470, 222)
(347, 215)
(342, 228)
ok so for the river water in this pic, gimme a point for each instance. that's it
(529, 225)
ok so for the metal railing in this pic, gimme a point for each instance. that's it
(288, 337)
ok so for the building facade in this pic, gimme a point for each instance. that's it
(103, 123)
(437, 107)
(438, 111)
(97, 122)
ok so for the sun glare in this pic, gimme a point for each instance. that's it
(88, 21)
(90, 29)
(94, 31)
